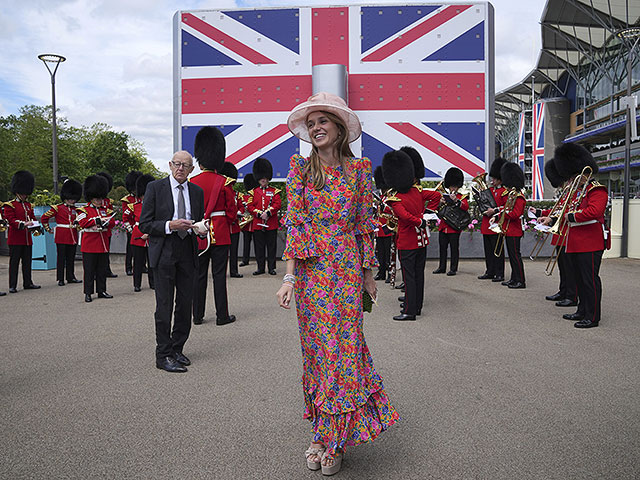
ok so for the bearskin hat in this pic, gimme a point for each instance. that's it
(571, 158)
(229, 170)
(494, 171)
(109, 179)
(418, 164)
(379, 178)
(209, 148)
(398, 170)
(453, 178)
(23, 182)
(512, 175)
(262, 169)
(250, 182)
(142, 182)
(95, 186)
(130, 181)
(551, 172)
(71, 190)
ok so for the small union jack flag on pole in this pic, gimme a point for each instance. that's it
(537, 170)
(522, 139)
(419, 75)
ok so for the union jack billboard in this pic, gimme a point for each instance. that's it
(419, 75)
(537, 163)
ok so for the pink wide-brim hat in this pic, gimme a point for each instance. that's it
(323, 102)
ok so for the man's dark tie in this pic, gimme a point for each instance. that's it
(182, 211)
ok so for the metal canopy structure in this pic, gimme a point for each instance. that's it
(574, 36)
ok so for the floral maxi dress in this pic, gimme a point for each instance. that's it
(330, 234)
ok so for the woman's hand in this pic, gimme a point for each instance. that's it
(370, 284)
(285, 294)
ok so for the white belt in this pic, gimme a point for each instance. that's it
(64, 225)
(579, 224)
(219, 213)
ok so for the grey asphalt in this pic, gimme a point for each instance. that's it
(490, 383)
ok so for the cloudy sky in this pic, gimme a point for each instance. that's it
(119, 66)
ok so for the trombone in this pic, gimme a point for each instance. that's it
(542, 238)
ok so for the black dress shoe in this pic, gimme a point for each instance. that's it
(74, 280)
(517, 285)
(401, 299)
(235, 275)
(566, 303)
(388, 279)
(152, 287)
(451, 273)
(224, 321)
(137, 289)
(438, 270)
(2, 294)
(555, 297)
(13, 290)
(61, 283)
(497, 279)
(243, 264)
(129, 273)
(403, 317)
(400, 286)
(401, 306)
(272, 272)
(585, 324)
(88, 299)
(33, 286)
(170, 364)
(104, 295)
(111, 275)
(573, 316)
(485, 276)
(145, 270)
(259, 272)
(379, 276)
(507, 283)
(181, 359)
(198, 321)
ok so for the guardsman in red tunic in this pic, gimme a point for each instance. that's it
(139, 243)
(220, 210)
(108, 204)
(587, 235)
(448, 235)
(494, 264)
(511, 213)
(130, 199)
(96, 220)
(230, 171)
(247, 227)
(408, 200)
(264, 204)
(387, 224)
(66, 233)
(22, 223)
(567, 295)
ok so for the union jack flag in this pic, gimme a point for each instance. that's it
(521, 139)
(417, 75)
(537, 179)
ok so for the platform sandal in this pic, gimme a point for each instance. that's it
(315, 450)
(331, 469)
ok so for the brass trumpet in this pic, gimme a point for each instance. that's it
(3, 224)
(499, 226)
(246, 219)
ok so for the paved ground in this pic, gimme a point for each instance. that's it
(491, 384)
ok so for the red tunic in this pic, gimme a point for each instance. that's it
(94, 239)
(235, 228)
(265, 200)
(513, 218)
(17, 213)
(131, 218)
(444, 226)
(244, 199)
(586, 232)
(221, 210)
(384, 211)
(409, 208)
(497, 195)
(64, 216)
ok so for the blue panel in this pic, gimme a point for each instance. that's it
(280, 25)
(278, 156)
(196, 53)
(468, 46)
(189, 134)
(376, 27)
(374, 150)
(469, 136)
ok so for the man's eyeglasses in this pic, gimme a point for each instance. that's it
(179, 165)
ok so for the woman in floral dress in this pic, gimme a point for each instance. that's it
(330, 255)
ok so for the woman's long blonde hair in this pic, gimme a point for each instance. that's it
(313, 172)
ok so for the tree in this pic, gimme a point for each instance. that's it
(110, 153)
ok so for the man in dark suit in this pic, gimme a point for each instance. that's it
(170, 207)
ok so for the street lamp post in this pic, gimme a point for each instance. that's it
(632, 35)
(48, 58)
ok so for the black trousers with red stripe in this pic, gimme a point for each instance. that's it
(412, 263)
(383, 253)
(586, 266)
(66, 256)
(515, 258)
(494, 265)
(445, 240)
(567, 287)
